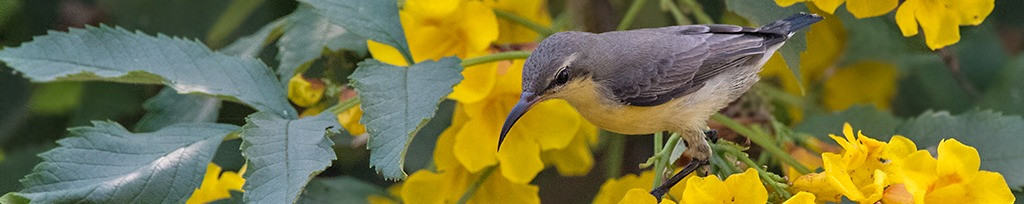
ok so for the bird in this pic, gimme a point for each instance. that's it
(652, 80)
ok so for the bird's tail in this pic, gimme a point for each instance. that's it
(791, 24)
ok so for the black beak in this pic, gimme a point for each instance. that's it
(526, 100)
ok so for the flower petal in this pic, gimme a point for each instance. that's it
(973, 12)
(520, 159)
(638, 196)
(990, 187)
(906, 19)
(551, 123)
(746, 187)
(787, 3)
(801, 198)
(477, 83)
(497, 189)
(847, 86)
(431, 8)
(574, 160)
(955, 158)
(385, 53)
(706, 190)
(476, 144)
(941, 27)
(479, 25)
(429, 187)
(828, 6)
(918, 174)
(870, 8)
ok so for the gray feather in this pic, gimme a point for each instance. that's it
(684, 57)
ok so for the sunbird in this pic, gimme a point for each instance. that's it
(653, 80)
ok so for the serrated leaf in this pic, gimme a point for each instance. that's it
(107, 164)
(397, 102)
(996, 137)
(284, 154)
(306, 36)
(168, 108)
(373, 19)
(252, 45)
(763, 12)
(114, 54)
(339, 190)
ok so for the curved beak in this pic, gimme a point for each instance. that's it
(526, 100)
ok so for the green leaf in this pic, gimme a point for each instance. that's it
(284, 155)
(397, 102)
(875, 123)
(763, 12)
(878, 39)
(107, 164)
(373, 19)
(339, 190)
(306, 37)
(168, 108)
(996, 137)
(114, 54)
(252, 45)
(1007, 92)
(56, 98)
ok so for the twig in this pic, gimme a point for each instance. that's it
(953, 63)
(476, 185)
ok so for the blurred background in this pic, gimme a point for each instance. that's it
(866, 73)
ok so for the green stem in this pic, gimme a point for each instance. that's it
(676, 13)
(762, 140)
(634, 9)
(229, 20)
(495, 57)
(614, 154)
(344, 105)
(766, 178)
(698, 11)
(476, 185)
(659, 167)
(542, 30)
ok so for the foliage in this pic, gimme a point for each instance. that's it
(357, 89)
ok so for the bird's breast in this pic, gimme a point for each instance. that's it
(598, 108)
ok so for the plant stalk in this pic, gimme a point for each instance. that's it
(476, 185)
(495, 57)
(634, 9)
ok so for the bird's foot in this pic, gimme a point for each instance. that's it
(712, 135)
(689, 168)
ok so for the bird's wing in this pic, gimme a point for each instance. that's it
(683, 58)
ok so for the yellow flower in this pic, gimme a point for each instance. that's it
(744, 187)
(436, 29)
(617, 190)
(941, 19)
(867, 82)
(550, 125)
(859, 8)
(350, 121)
(801, 198)
(303, 92)
(514, 33)
(450, 181)
(858, 172)
(641, 196)
(817, 184)
(954, 177)
(216, 185)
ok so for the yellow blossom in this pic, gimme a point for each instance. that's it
(954, 177)
(867, 82)
(859, 8)
(449, 182)
(216, 185)
(817, 184)
(941, 19)
(617, 190)
(436, 29)
(550, 125)
(801, 198)
(858, 172)
(304, 92)
(514, 33)
(350, 121)
(641, 196)
(744, 187)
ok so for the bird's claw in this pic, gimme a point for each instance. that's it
(712, 135)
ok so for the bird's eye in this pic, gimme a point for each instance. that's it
(562, 77)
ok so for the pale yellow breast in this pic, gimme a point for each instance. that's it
(606, 114)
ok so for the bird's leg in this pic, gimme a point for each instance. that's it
(699, 152)
(712, 135)
(689, 168)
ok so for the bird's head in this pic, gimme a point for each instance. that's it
(557, 62)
